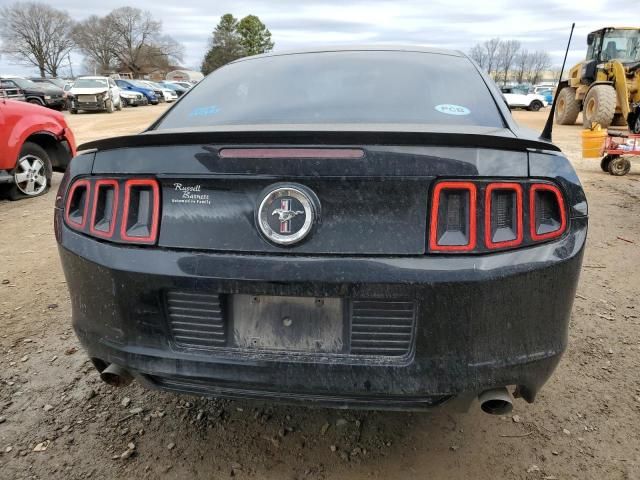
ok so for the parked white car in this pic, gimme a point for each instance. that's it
(186, 85)
(168, 94)
(132, 99)
(544, 86)
(94, 93)
(521, 99)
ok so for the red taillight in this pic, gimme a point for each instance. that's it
(547, 216)
(503, 215)
(141, 211)
(97, 206)
(453, 217)
(75, 212)
(485, 216)
(104, 210)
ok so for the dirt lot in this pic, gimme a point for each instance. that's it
(585, 424)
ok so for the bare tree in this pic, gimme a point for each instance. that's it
(170, 49)
(491, 50)
(521, 65)
(555, 71)
(138, 41)
(95, 39)
(507, 52)
(36, 34)
(540, 62)
(478, 55)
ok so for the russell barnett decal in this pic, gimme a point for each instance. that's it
(190, 194)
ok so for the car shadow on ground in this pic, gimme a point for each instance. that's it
(268, 440)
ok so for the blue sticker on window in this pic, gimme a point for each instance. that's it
(452, 109)
(204, 111)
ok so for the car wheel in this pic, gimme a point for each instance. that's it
(35, 101)
(535, 105)
(32, 175)
(73, 111)
(108, 105)
(619, 166)
(599, 106)
(567, 107)
(604, 163)
(119, 106)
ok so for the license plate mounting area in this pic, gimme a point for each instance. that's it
(289, 324)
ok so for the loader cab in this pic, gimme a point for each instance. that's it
(594, 43)
(607, 44)
(590, 65)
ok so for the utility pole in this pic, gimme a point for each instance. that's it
(70, 66)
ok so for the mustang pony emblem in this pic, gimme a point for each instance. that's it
(285, 214)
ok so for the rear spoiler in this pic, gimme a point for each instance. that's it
(501, 139)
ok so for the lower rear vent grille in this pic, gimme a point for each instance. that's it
(196, 319)
(382, 327)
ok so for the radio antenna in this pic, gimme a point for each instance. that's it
(548, 127)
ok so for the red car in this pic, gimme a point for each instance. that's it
(35, 141)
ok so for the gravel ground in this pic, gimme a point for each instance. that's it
(57, 420)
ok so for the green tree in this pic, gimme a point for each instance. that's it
(225, 45)
(255, 37)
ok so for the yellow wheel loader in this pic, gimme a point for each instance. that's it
(606, 86)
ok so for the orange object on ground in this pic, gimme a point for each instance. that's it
(593, 142)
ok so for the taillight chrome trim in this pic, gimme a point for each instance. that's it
(78, 183)
(516, 187)
(155, 214)
(532, 211)
(114, 208)
(435, 207)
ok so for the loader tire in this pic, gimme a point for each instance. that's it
(634, 121)
(567, 107)
(599, 106)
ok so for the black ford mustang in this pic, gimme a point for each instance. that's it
(360, 228)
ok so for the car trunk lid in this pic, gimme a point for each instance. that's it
(372, 198)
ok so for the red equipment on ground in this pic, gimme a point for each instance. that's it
(619, 147)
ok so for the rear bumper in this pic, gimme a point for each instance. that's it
(481, 321)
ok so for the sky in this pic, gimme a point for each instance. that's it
(459, 24)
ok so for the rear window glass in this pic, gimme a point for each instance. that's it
(340, 87)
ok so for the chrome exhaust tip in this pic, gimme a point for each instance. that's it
(496, 401)
(116, 376)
